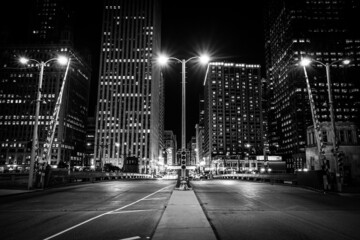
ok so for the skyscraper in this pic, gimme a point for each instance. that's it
(324, 31)
(129, 111)
(171, 147)
(53, 22)
(232, 110)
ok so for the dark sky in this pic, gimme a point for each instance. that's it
(228, 28)
(225, 29)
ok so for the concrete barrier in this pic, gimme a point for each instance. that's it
(285, 178)
(61, 176)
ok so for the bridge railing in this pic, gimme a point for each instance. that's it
(287, 178)
(61, 176)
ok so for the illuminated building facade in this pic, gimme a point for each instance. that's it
(130, 91)
(232, 110)
(171, 147)
(324, 31)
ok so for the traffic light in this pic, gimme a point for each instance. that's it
(183, 159)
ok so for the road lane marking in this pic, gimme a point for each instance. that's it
(93, 218)
(133, 211)
(150, 199)
(131, 238)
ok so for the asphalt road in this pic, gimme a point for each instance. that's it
(106, 210)
(250, 210)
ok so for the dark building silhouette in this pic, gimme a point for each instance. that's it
(325, 31)
(53, 22)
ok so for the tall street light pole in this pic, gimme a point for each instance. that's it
(35, 143)
(163, 60)
(306, 62)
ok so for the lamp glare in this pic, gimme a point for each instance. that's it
(62, 60)
(305, 62)
(204, 59)
(23, 60)
(162, 59)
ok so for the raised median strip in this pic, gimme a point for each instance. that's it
(183, 219)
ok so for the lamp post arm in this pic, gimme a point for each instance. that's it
(190, 59)
(34, 60)
(313, 60)
(52, 59)
(174, 58)
(340, 60)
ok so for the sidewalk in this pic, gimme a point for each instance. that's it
(183, 219)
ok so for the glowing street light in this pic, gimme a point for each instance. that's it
(306, 62)
(23, 60)
(163, 59)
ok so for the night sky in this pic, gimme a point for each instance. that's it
(225, 29)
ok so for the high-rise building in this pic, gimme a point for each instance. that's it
(53, 22)
(90, 141)
(129, 111)
(199, 136)
(191, 146)
(50, 36)
(233, 121)
(199, 132)
(171, 147)
(323, 31)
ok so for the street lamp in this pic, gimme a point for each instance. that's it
(62, 60)
(163, 59)
(306, 62)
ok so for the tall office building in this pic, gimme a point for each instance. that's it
(53, 22)
(232, 110)
(130, 87)
(324, 31)
(199, 132)
(171, 147)
(191, 146)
